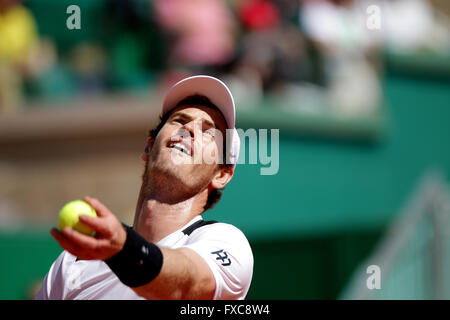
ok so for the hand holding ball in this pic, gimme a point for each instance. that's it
(78, 220)
(68, 216)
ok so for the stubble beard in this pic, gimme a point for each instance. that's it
(165, 182)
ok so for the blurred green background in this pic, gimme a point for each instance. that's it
(351, 150)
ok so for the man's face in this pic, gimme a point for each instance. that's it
(186, 151)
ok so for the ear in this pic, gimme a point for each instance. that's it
(222, 177)
(148, 147)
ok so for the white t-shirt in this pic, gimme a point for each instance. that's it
(223, 247)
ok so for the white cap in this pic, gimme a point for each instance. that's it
(219, 94)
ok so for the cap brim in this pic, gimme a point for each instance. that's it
(212, 88)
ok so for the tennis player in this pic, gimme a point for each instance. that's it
(170, 252)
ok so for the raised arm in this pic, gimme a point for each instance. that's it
(154, 272)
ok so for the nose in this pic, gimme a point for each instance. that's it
(191, 128)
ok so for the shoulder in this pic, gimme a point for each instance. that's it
(227, 252)
(219, 232)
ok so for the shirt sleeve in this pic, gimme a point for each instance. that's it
(228, 254)
(53, 284)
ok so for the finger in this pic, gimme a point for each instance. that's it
(64, 242)
(80, 240)
(95, 223)
(67, 245)
(99, 207)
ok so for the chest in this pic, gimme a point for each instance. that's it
(93, 280)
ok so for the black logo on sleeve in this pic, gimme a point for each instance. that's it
(223, 256)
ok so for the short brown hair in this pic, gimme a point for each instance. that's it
(196, 100)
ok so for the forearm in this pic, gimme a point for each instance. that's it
(183, 276)
(156, 272)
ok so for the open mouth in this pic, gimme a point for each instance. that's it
(181, 147)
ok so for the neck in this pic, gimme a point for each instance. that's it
(156, 218)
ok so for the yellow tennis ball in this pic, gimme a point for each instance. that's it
(68, 216)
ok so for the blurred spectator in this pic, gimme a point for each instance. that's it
(48, 77)
(135, 43)
(272, 53)
(259, 14)
(338, 29)
(413, 25)
(18, 37)
(88, 62)
(289, 10)
(201, 32)
(294, 50)
(338, 26)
